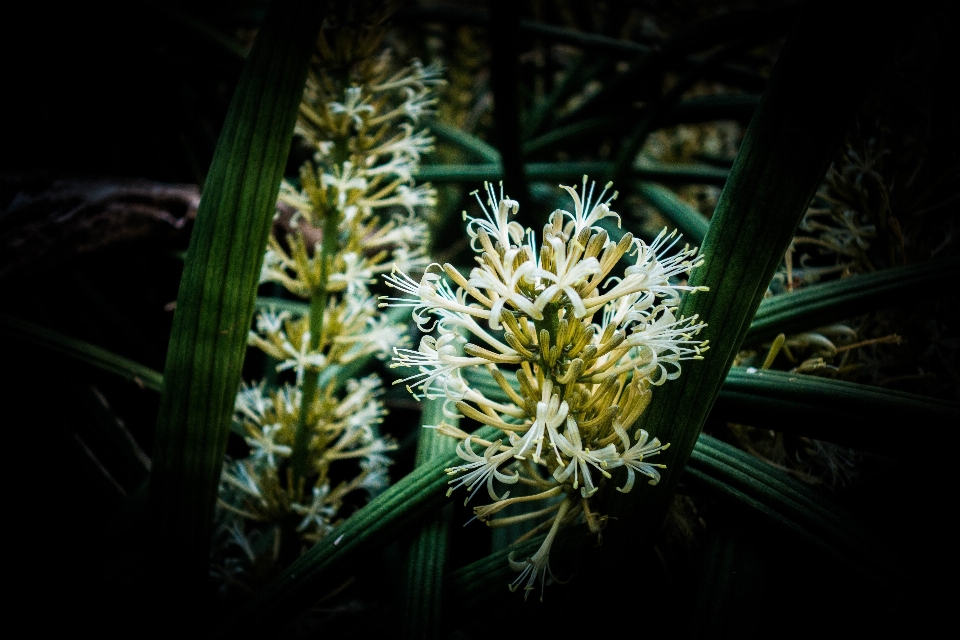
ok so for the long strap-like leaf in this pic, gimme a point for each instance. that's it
(216, 298)
(782, 160)
(845, 413)
(83, 351)
(821, 304)
(688, 220)
(409, 502)
(567, 171)
(464, 140)
(424, 598)
(728, 473)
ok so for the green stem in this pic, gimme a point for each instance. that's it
(318, 306)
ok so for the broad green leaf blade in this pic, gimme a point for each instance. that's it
(142, 376)
(218, 287)
(424, 594)
(845, 413)
(408, 503)
(691, 222)
(821, 304)
(782, 160)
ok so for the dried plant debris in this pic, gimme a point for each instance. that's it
(44, 218)
(884, 202)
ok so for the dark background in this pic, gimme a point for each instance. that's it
(115, 90)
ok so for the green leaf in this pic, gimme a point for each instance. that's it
(674, 53)
(786, 502)
(483, 584)
(736, 564)
(583, 39)
(691, 222)
(681, 173)
(574, 78)
(572, 171)
(408, 503)
(704, 109)
(218, 287)
(822, 304)
(97, 425)
(784, 155)
(845, 413)
(143, 377)
(464, 140)
(106, 486)
(459, 172)
(424, 595)
(296, 308)
(738, 106)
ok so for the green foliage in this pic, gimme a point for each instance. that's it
(408, 503)
(218, 288)
(759, 514)
(778, 169)
(426, 572)
(845, 413)
(833, 301)
(83, 351)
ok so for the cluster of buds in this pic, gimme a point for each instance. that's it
(583, 347)
(352, 215)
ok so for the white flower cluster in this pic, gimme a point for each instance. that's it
(343, 428)
(367, 154)
(354, 213)
(584, 348)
